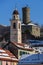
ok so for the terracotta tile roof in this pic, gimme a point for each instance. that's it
(7, 56)
(10, 54)
(22, 46)
(6, 59)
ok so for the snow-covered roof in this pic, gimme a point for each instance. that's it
(23, 46)
(23, 24)
(1, 50)
(32, 24)
(7, 55)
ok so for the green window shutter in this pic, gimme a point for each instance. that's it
(0, 62)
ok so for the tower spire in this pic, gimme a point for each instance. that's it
(15, 32)
(15, 7)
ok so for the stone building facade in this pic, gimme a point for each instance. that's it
(31, 30)
(15, 29)
(26, 15)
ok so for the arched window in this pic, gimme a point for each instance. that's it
(14, 25)
(19, 25)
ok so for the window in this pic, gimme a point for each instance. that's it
(14, 25)
(6, 63)
(37, 29)
(22, 52)
(14, 17)
(19, 25)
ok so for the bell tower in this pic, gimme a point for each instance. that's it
(15, 30)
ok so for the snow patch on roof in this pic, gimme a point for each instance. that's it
(2, 50)
(32, 24)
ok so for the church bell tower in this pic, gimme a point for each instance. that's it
(15, 30)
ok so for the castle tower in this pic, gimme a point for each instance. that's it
(15, 30)
(26, 15)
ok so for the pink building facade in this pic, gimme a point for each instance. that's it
(7, 58)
